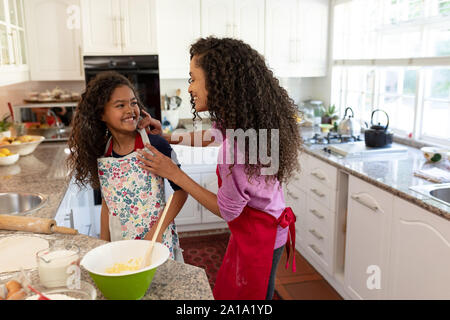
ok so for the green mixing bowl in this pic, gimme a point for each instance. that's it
(127, 285)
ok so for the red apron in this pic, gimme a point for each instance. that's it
(245, 270)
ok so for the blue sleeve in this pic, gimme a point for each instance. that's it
(164, 147)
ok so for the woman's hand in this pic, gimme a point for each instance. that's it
(158, 164)
(148, 121)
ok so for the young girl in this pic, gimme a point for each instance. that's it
(231, 81)
(103, 147)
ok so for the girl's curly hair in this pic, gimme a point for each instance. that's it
(244, 94)
(87, 141)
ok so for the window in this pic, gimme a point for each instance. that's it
(394, 55)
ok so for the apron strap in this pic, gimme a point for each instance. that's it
(287, 219)
(138, 144)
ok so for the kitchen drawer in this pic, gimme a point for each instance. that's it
(320, 251)
(319, 218)
(322, 194)
(322, 173)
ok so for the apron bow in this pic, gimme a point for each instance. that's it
(287, 219)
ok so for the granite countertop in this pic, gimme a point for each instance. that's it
(44, 171)
(393, 173)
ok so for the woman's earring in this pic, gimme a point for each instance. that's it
(107, 132)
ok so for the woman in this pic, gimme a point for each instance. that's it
(231, 81)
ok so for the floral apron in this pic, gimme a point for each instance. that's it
(135, 197)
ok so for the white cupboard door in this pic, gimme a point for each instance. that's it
(55, 49)
(311, 42)
(368, 230)
(217, 18)
(209, 181)
(178, 27)
(281, 35)
(296, 199)
(420, 254)
(101, 26)
(249, 23)
(191, 213)
(138, 26)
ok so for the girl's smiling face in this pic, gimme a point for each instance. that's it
(197, 86)
(121, 113)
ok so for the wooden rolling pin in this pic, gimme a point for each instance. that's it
(32, 224)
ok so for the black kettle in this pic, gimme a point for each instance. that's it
(378, 136)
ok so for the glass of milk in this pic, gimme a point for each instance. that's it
(54, 264)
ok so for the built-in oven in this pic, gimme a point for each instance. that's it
(143, 73)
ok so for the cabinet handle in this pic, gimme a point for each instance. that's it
(122, 33)
(315, 234)
(316, 213)
(318, 175)
(313, 247)
(316, 192)
(291, 195)
(364, 202)
(80, 52)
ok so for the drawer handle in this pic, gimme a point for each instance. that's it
(316, 213)
(318, 175)
(320, 194)
(313, 247)
(291, 195)
(364, 202)
(315, 234)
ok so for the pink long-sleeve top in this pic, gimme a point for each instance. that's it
(236, 192)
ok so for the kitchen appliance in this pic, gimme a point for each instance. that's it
(332, 138)
(359, 148)
(142, 71)
(378, 136)
(349, 126)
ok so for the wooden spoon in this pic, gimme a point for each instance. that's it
(148, 254)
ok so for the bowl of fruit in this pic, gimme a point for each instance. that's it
(7, 157)
(23, 145)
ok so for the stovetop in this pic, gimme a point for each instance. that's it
(332, 138)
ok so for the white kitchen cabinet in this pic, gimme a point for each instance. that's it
(54, 43)
(420, 254)
(118, 27)
(296, 37)
(367, 241)
(178, 24)
(296, 199)
(240, 19)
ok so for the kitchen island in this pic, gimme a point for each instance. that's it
(44, 172)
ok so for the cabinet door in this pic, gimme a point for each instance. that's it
(138, 26)
(55, 49)
(209, 181)
(191, 212)
(311, 42)
(101, 26)
(217, 18)
(368, 230)
(178, 27)
(420, 254)
(296, 199)
(249, 23)
(281, 35)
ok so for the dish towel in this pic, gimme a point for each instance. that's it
(434, 175)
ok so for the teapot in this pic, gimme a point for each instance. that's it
(349, 126)
(378, 136)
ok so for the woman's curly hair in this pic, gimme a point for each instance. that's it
(243, 93)
(87, 141)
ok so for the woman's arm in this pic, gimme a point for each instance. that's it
(104, 222)
(163, 166)
(178, 200)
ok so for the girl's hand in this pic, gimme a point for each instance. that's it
(158, 163)
(148, 121)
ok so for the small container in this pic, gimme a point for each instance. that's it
(54, 262)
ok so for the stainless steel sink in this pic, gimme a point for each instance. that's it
(438, 192)
(21, 203)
